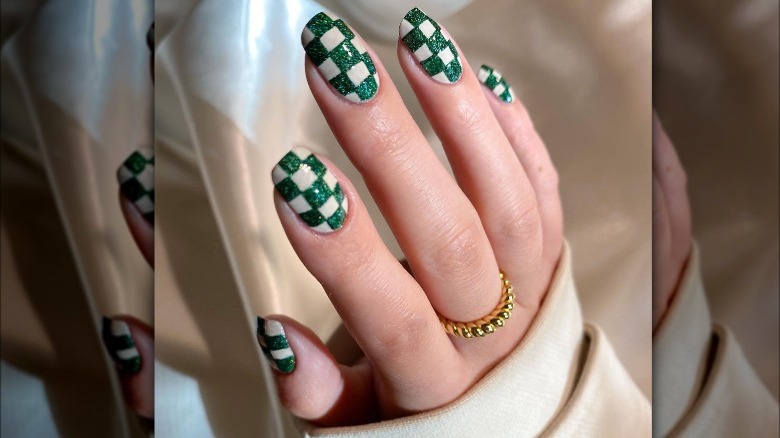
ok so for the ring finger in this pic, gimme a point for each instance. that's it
(485, 165)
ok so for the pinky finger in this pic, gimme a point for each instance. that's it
(310, 383)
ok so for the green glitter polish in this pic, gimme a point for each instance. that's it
(432, 49)
(492, 79)
(136, 182)
(119, 343)
(273, 343)
(311, 190)
(341, 57)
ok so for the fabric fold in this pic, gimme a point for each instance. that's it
(680, 349)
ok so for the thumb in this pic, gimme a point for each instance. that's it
(310, 383)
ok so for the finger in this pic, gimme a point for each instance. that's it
(130, 343)
(482, 159)
(136, 199)
(434, 223)
(663, 285)
(673, 182)
(310, 383)
(382, 306)
(534, 157)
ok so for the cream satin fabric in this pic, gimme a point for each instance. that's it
(717, 92)
(704, 385)
(232, 99)
(76, 101)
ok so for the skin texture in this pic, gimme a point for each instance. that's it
(501, 210)
(671, 221)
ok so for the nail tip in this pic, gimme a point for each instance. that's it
(431, 46)
(340, 57)
(414, 11)
(288, 369)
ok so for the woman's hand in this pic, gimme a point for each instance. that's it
(502, 211)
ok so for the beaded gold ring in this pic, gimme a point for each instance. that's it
(488, 324)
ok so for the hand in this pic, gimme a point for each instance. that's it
(502, 211)
(671, 221)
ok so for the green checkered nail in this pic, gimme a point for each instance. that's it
(273, 342)
(311, 190)
(435, 52)
(492, 79)
(340, 56)
(119, 343)
(136, 181)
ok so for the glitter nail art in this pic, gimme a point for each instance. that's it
(341, 57)
(435, 52)
(119, 343)
(311, 190)
(136, 181)
(492, 79)
(273, 343)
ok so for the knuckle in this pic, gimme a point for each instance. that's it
(521, 223)
(471, 120)
(458, 251)
(408, 335)
(393, 138)
(355, 256)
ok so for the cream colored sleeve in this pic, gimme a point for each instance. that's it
(703, 384)
(562, 380)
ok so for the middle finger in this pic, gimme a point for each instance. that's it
(435, 224)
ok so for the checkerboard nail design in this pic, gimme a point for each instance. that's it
(120, 345)
(273, 342)
(136, 181)
(311, 190)
(340, 57)
(435, 52)
(492, 79)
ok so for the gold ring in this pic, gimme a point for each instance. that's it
(486, 325)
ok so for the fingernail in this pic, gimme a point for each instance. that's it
(492, 79)
(340, 57)
(136, 181)
(311, 190)
(119, 343)
(273, 342)
(435, 52)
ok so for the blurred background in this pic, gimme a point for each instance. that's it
(76, 101)
(715, 87)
